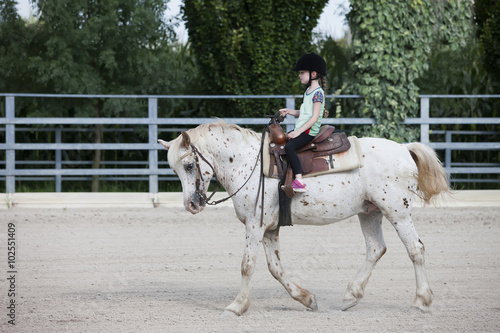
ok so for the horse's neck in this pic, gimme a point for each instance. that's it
(234, 159)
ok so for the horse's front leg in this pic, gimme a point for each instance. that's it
(254, 234)
(271, 246)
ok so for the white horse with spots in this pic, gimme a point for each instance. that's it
(386, 185)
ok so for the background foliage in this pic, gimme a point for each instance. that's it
(392, 41)
(397, 51)
(487, 16)
(91, 47)
(249, 48)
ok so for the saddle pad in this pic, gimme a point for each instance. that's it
(345, 161)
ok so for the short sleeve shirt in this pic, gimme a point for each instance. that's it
(306, 110)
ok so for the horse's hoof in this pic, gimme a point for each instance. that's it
(420, 306)
(348, 303)
(229, 314)
(313, 304)
(423, 302)
(422, 309)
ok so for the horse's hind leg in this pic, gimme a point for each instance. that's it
(371, 225)
(415, 248)
(271, 246)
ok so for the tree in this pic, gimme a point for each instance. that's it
(392, 41)
(248, 47)
(89, 47)
(337, 54)
(488, 20)
(15, 40)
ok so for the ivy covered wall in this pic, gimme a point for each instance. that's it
(392, 41)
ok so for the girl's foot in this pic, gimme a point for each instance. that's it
(298, 186)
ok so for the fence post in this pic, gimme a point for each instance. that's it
(153, 153)
(424, 118)
(10, 138)
(290, 104)
(58, 160)
(447, 156)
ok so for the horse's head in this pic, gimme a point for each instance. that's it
(192, 168)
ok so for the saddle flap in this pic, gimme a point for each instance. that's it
(306, 161)
(320, 165)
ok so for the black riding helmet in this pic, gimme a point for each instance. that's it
(312, 62)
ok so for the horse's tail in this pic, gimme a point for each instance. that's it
(432, 178)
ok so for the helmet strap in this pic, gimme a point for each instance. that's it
(310, 79)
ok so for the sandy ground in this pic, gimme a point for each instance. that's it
(164, 270)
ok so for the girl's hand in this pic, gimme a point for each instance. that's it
(283, 112)
(293, 134)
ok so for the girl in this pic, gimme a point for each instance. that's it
(311, 68)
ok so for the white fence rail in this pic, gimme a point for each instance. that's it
(154, 170)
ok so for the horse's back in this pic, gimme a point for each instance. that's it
(381, 155)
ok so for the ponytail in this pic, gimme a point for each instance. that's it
(324, 85)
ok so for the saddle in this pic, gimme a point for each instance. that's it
(325, 143)
(311, 156)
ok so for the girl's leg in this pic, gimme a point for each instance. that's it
(290, 148)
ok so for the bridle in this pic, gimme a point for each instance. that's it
(199, 176)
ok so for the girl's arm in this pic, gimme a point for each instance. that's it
(314, 118)
(284, 112)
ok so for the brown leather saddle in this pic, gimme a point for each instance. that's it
(326, 143)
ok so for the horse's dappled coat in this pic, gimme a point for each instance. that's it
(386, 186)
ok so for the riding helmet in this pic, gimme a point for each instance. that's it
(311, 62)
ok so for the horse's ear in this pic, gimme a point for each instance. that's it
(165, 143)
(186, 140)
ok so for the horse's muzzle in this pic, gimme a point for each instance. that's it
(195, 203)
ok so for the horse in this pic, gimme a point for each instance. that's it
(387, 184)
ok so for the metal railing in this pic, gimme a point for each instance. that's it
(152, 121)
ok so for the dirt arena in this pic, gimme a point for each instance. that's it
(165, 270)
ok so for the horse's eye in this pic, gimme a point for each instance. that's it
(189, 167)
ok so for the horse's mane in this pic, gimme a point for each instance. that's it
(204, 130)
(201, 135)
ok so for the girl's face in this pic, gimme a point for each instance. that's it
(305, 75)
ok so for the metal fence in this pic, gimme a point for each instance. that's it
(155, 170)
